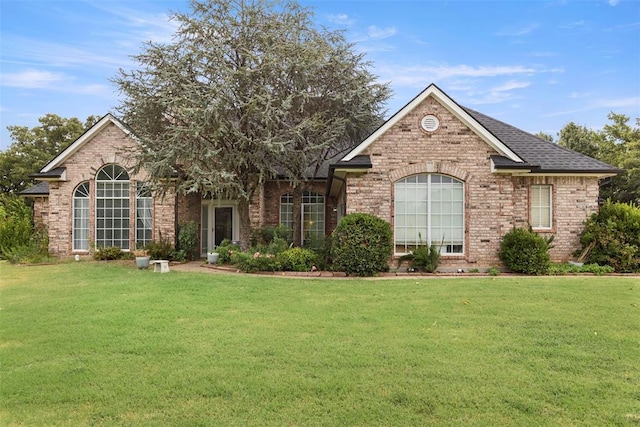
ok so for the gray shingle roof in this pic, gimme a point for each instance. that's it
(538, 153)
(53, 173)
(40, 189)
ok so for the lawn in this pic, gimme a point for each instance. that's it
(105, 344)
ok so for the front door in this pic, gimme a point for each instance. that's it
(223, 225)
(218, 222)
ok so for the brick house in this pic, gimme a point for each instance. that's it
(436, 171)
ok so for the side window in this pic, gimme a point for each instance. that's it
(541, 215)
(144, 215)
(80, 229)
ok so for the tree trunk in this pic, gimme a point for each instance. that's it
(297, 216)
(245, 224)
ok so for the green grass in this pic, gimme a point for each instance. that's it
(106, 344)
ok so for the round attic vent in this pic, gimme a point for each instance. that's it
(430, 123)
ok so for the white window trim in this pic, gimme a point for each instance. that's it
(534, 205)
(74, 230)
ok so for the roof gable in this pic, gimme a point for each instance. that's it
(83, 139)
(462, 115)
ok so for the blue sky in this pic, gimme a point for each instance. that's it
(534, 64)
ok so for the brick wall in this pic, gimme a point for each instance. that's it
(493, 203)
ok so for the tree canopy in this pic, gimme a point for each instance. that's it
(33, 147)
(248, 90)
(618, 144)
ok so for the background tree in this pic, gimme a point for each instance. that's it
(33, 147)
(618, 144)
(248, 88)
(545, 136)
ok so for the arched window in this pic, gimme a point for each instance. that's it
(81, 217)
(112, 207)
(429, 209)
(312, 215)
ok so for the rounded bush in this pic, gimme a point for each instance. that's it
(524, 251)
(362, 245)
(298, 259)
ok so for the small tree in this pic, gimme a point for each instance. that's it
(613, 234)
(362, 244)
(32, 148)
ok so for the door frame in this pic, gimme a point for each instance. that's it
(211, 206)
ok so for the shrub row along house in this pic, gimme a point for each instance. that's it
(436, 171)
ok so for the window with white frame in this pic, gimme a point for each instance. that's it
(429, 209)
(541, 206)
(80, 229)
(144, 215)
(112, 207)
(312, 215)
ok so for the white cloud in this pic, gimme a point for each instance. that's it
(632, 102)
(613, 2)
(341, 19)
(375, 32)
(31, 79)
(510, 85)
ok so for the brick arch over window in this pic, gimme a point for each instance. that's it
(443, 168)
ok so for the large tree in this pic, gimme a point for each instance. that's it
(248, 90)
(32, 148)
(618, 144)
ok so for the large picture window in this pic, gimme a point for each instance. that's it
(541, 206)
(112, 207)
(429, 209)
(81, 217)
(312, 215)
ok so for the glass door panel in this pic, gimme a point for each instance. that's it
(223, 224)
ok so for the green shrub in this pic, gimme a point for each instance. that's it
(15, 225)
(362, 244)
(322, 247)
(111, 253)
(297, 259)
(565, 268)
(265, 235)
(524, 251)
(275, 247)
(614, 235)
(249, 263)
(226, 249)
(34, 251)
(493, 271)
(161, 249)
(423, 257)
(188, 241)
